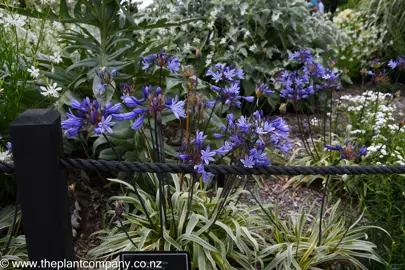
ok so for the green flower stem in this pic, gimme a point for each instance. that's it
(133, 185)
(126, 233)
(323, 203)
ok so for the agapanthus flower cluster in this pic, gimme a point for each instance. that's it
(249, 137)
(90, 116)
(194, 153)
(230, 95)
(350, 151)
(301, 83)
(328, 81)
(106, 77)
(399, 62)
(152, 103)
(225, 73)
(295, 86)
(162, 60)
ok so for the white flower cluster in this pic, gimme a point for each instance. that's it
(315, 121)
(32, 31)
(380, 119)
(397, 154)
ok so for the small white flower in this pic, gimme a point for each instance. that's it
(187, 47)
(196, 40)
(223, 41)
(247, 33)
(253, 47)
(16, 20)
(34, 72)
(51, 90)
(4, 156)
(55, 58)
(211, 25)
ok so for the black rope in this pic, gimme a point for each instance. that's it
(124, 166)
(139, 167)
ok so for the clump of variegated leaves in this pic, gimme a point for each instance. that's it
(359, 38)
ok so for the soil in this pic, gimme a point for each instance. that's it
(91, 195)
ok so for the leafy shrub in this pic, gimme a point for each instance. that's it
(257, 35)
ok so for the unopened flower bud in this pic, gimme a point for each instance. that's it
(397, 94)
(71, 188)
(402, 124)
(283, 108)
(363, 71)
(345, 70)
(118, 209)
(198, 52)
(332, 63)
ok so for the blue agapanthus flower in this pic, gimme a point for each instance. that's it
(106, 78)
(263, 90)
(162, 60)
(393, 64)
(314, 69)
(225, 73)
(9, 146)
(90, 116)
(153, 103)
(302, 56)
(350, 151)
(399, 62)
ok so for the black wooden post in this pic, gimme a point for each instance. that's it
(37, 144)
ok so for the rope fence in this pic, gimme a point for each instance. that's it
(138, 167)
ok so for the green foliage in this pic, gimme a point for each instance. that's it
(21, 39)
(391, 14)
(385, 208)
